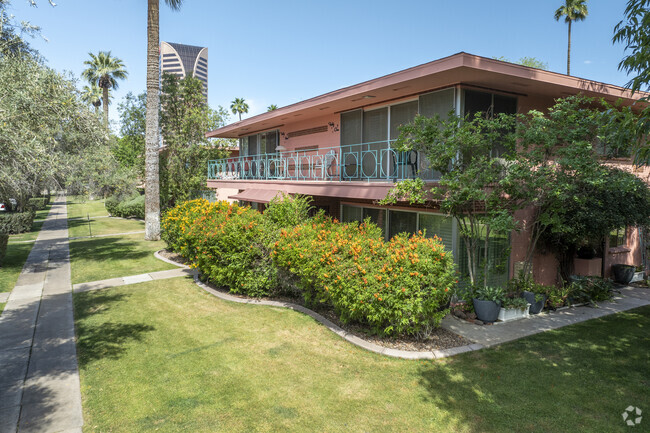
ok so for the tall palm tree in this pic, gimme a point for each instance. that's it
(152, 139)
(272, 107)
(92, 95)
(239, 106)
(104, 71)
(572, 10)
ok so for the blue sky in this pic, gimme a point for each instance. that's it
(284, 51)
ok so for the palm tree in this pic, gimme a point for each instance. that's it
(572, 10)
(152, 139)
(92, 95)
(272, 107)
(239, 106)
(104, 71)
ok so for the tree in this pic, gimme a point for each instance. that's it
(129, 148)
(152, 139)
(104, 71)
(531, 62)
(92, 95)
(239, 106)
(272, 107)
(184, 118)
(11, 33)
(572, 10)
(633, 32)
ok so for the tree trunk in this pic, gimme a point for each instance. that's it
(105, 105)
(152, 187)
(568, 53)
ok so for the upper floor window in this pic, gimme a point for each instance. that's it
(259, 144)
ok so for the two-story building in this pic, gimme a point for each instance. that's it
(337, 147)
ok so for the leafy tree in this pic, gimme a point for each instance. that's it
(43, 124)
(239, 106)
(531, 62)
(633, 32)
(104, 70)
(184, 118)
(152, 138)
(272, 107)
(571, 10)
(12, 41)
(92, 95)
(129, 148)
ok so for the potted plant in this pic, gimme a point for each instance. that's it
(623, 273)
(535, 295)
(513, 309)
(487, 302)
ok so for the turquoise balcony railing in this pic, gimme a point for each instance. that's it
(374, 161)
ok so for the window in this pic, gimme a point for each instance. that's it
(259, 144)
(402, 222)
(618, 237)
(440, 103)
(438, 225)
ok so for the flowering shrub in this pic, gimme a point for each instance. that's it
(398, 287)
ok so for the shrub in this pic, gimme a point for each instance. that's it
(129, 208)
(4, 238)
(590, 290)
(16, 222)
(399, 287)
(37, 203)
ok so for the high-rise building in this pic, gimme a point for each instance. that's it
(181, 60)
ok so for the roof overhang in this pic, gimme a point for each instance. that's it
(257, 195)
(458, 69)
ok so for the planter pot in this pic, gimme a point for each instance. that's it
(535, 307)
(638, 276)
(623, 273)
(506, 315)
(486, 311)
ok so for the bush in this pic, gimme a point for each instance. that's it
(399, 287)
(37, 203)
(590, 290)
(396, 287)
(129, 208)
(16, 222)
(4, 238)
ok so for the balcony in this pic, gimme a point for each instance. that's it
(370, 162)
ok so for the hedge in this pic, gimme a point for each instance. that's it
(398, 287)
(37, 203)
(4, 238)
(129, 208)
(16, 222)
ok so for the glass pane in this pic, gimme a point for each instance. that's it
(262, 143)
(440, 103)
(243, 146)
(375, 132)
(351, 127)
(252, 145)
(505, 104)
(438, 225)
(498, 260)
(375, 125)
(477, 101)
(377, 216)
(401, 114)
(402, 222)
(271, 141)
(351, 213)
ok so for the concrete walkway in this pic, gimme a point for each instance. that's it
(498, 333)
(133, 279)
(39, 375)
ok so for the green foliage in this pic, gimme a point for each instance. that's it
(514, 303)
(400, 287)
(239, 107)
(103, 70)
(184, 119)
(4, 239)
(16, 222)
(633, 32)
(531, 62)
(37, 203)
(129, 208)
(490, 293)
(590, 290)
(129, 149)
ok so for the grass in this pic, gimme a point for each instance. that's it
(13, 264)
(42, 214)
(28, 236)
(102, 226)
(166, 356)
(2, 307)
(81, 207)
(109, 257)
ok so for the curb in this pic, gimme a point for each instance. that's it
(171, 262)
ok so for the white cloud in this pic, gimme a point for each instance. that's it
(587, 62)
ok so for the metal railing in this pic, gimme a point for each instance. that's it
(374, 161)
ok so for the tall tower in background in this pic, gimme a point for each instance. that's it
(180, 60)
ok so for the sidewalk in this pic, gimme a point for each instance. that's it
(499, 333)
(39, 375)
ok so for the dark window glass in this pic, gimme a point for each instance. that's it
(477, 102)
(351, 127)
(401, 114)
(402, 222)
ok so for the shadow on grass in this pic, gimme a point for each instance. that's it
(578, 378)
(107, 248)
(97, 339)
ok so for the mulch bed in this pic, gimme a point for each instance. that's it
(439, 338)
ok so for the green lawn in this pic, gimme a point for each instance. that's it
(102, 226)
(166, 356)
(28, 236)
(42, 214)
(13, 264)
(109, 257)
(79, 206)
(2, 307)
